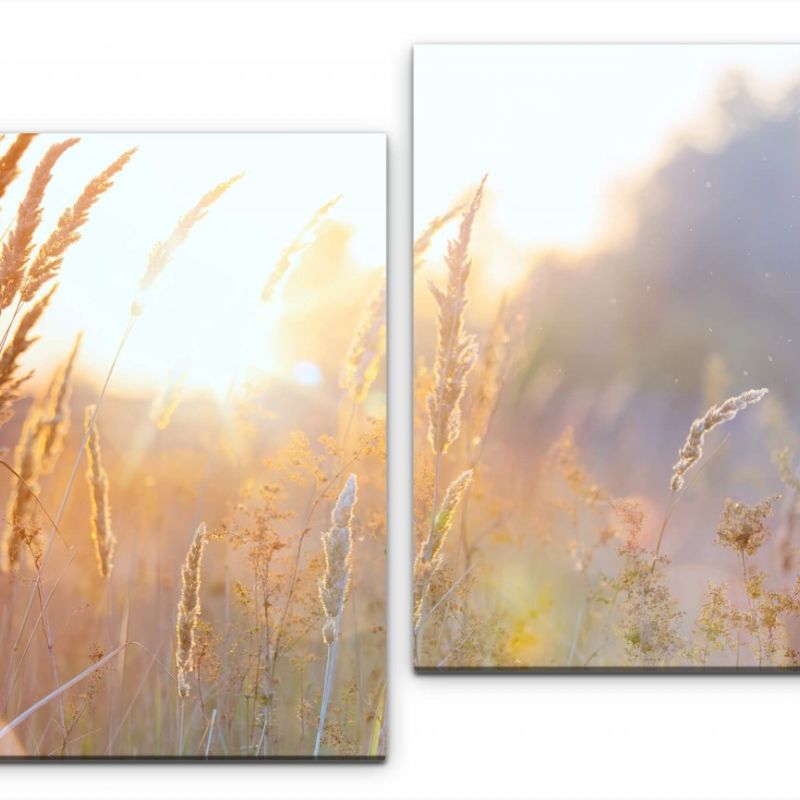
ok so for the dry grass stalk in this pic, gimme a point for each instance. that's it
(366, 350)
(189, 610)
(456, 350)
(159, 257)
(39, 446)
(48, 258)
(337, 544)
(162, 252)
(21, 529)
(9, 161)
(692, 449)
(490, 380)
(167, 401)
(300, 243)
(18, 246)
(55, 422)
(429, 555)
(10, 381)
(423, 242)
(102, 534)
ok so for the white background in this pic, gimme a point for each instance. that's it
(347, 66)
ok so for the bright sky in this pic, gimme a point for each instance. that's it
(557, 125)
(204, 310)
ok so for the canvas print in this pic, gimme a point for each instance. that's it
(607, 407)
(192, 416)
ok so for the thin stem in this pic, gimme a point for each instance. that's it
(330, 671)
(68, 685)
(276, 650)
(180, 725)
(14, 669)
(455, 584)
(751, 607)
(350, 419)
(675, 497)
(667, 514)
(48, 637)
(73, 475)
(211, 731)
(10, 325)
(423, 592)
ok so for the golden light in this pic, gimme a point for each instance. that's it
(203, 314)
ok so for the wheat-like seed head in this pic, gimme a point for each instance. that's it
(10, 381)
(366, 350)
(337, 544)
(429, 556)
(50, 255)
(102, 534)
(423, 242)
(167, 401)
(18, 245)
(189, 610)
(301, 242)
(443, 520)
(162, 252)
(692, 449)
(21, 528)
(456, 350)
(490, 380)
(55, 422)
(9, 162)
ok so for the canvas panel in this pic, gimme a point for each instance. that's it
(192, 387)
(605, 331)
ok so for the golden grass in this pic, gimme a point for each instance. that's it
(552, 568)
(18, 245)
(11, 381)
(50, 255)
(97, 479)
(366, 350)
(9, 161)
(189, 610)
(239, 667)
(288, 257)
(692, 450)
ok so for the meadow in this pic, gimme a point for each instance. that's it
(605, 444)
(193, 564)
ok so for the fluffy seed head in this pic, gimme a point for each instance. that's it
(48, 258)
(456, 350)
(744, 528)
(692, 449)
(429, 556)
(102, 534)
(423, 242)
(337, 544)
(189, 610)
(283, 266)
(162, 252)
(21, 528)
(9, 162)
(10, 379)
(444, 517)
(55, 422)
(167, 401)
(18, 245)
(366, 350)
(489, 381)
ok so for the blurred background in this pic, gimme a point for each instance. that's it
(641, 233)
(222, 408)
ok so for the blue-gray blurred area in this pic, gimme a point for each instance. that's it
(630, 342)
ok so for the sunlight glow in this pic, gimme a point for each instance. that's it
(204, 310)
